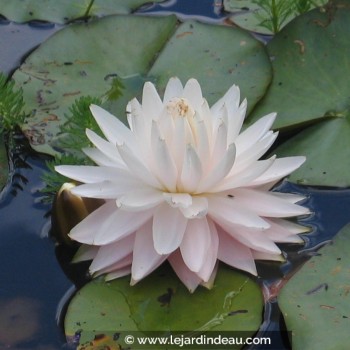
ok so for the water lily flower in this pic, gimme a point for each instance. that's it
(183, 184)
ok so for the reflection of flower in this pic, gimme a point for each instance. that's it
(184, 185)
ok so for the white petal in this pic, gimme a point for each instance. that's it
(178, 200)
(235, 254)
(119, 265)
(280, 168)
(292, 227)
(112, 253)
(105, 189)
(236, 117)
(137, 167)
(178, 143)
(228, 210)
(163, 166)
(107, 148)
(254, 133)
(198, 209)
(114, 130)
(245, 178)
(101, 159)
(220, 171)
(108, 224)
(231, 96)
(118, 274)
(192, 91)
(151, 103)
(250, 237)
(145, 258)
(188, 278)
(168, 229)
(206, 272)
(140, 199)
(91, 174)
(173, 89)
(267, 256)
(191, 170)
(267, 204)
(195, 244)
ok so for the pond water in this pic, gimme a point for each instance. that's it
(35, 276)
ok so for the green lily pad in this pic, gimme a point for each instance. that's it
(83, 58)
(64, 10)
(310, 59)
(326, 146)
(162, 304)
(316, 301)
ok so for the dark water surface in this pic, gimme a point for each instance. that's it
(30, 274)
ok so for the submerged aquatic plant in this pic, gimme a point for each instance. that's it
(183, 184)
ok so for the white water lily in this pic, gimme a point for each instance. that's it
(183, 185)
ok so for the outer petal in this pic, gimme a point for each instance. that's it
(188, 278)
(112, 253)
(151, 103)
(145, 258)
(168, 229)
(235, 254)
(195, 244)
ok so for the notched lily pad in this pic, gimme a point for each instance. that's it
(161, 303)
(80, 59)
(316, 301)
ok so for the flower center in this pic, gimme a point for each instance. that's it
(179, 107)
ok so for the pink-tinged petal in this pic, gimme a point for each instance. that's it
(118, 273)
(169, 226)
(282, 231)
(252, 238)
(268, 256)
(85, 252)
(178, 200)
(164, 166)
(137, 166)
(191, 170)
(245, 178)
(108, 224)
(121, 264)
(267, 204)
(207, 271)
(112, 254)
(151, 103)
(114, 130)
(281, 168)
(192, 92)
(198, 209)
(195, 244)
(235, 254)
(188, 278)
(209, 283)
(173, 89)
(235, 122)
(254, 133)
(107, 148)
(220, 171)
(140, 199)
(91, 174)
(289, 197)
(145, 258)
(101, 159)
(104, 189)
(228, 210)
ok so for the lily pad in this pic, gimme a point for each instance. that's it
(316, 301)
(65, 10)
(83, 58)
(311, 65)
(161, 303)
(326, 146)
